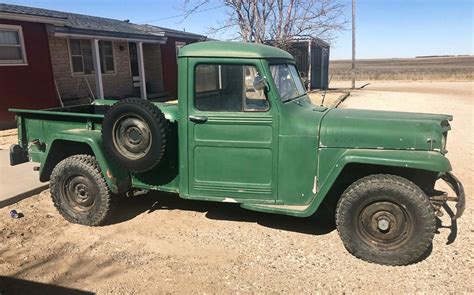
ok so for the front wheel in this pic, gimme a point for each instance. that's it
(79, 191)
(385, 219)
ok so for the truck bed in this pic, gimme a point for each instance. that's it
(77, 129)
(86, 110)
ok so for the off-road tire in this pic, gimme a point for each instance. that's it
(118, 145)
(379, 192)
(85, 171)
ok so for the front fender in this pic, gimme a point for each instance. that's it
(425, 160)
(337, 159)
(117, 178)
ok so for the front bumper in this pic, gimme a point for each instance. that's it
(458, 188)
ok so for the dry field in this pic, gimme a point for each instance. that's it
(436, 68)
(159, 243)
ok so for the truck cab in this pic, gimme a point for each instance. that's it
(244, 130)
(260, 134)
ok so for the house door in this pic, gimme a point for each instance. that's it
(134, 68)
(232, 133)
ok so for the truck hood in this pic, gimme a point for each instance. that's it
(350, 128)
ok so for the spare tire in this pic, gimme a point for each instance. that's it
(134, 134)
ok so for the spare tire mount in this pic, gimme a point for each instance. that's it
(134, 134)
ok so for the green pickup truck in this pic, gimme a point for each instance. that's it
(244, 131)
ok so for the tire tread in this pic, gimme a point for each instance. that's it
(88, 163)
(162, 125)
(351, 194)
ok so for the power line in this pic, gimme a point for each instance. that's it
(181, 15)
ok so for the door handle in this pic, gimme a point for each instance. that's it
(198, 119)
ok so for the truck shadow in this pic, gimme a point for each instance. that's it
(9, 285)
(129, 208)
(453, 227)
(63, 266)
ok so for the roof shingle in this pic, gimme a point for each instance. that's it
(94, 23)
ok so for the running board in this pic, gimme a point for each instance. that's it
(292, 210)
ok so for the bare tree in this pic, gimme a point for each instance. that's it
(276, 21)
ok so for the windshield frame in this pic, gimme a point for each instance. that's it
(297, 90)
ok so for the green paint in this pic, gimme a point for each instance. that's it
(118, 179)
(283, 160)
(213, 49)
(368, 129)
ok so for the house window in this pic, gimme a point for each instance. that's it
(12, 46)
(106, 51)
(81, 56)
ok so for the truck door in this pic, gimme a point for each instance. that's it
(232, 132)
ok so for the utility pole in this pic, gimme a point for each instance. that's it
(353, 74)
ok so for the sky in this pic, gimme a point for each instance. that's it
(385, 28)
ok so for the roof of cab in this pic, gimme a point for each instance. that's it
(232, 49)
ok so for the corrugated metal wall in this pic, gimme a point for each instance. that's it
(299, 50)
(319, 62)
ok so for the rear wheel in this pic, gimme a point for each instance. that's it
(79, 191)
(385, 219)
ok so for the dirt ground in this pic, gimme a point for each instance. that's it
(7, 138)
(328, 98)
(159, 243)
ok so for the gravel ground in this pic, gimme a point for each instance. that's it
(7, 138)
(326, 98)
(160, 243)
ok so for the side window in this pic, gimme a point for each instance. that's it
(106, 51)
(254, 100)
(81, 56)
(12, 46)
(227, 88)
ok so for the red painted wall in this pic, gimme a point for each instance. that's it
(30, 86)
(170, 65)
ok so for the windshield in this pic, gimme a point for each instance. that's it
(287, 81)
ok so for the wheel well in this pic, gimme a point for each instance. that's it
(60, 150)
(425, 179)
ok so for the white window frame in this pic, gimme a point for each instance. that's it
(23, 61)
(93, 73)
(70, 59)
(113, 57)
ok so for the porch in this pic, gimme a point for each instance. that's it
(88, 67)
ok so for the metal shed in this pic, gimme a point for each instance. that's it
(312, 60)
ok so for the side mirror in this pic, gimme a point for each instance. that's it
(260, 83)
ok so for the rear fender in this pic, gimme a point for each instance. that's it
(117, 178)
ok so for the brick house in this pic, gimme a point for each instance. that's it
(49, 58)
